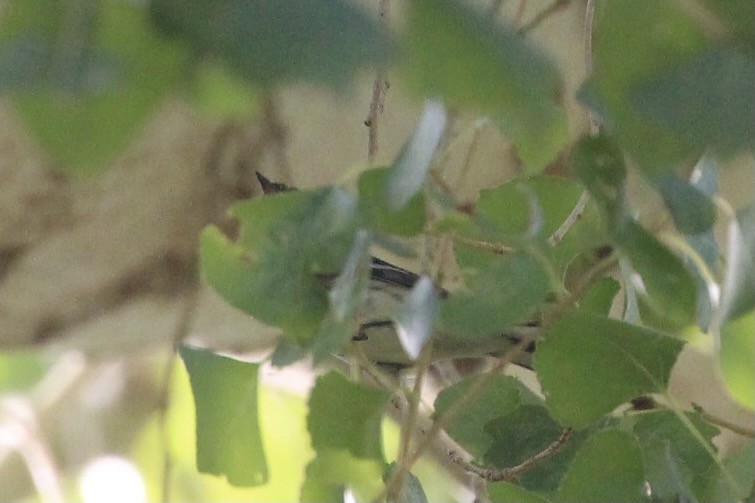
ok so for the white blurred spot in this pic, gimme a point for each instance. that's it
(112, 479)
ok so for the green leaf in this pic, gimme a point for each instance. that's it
(667, 290)
(346, 416)
(407, 175)
(411, 491)
(480, 65)
(416, 316)
(521, 434)
(608, 467)
(500, 296)
(739, 17)
(588, 365)
(599, 163)
(225, 398)
(737, 358)
(705, 100)
(499, 398)
(736, 482)
(632, 46)
(321, 41)
(672, 455)
(692, 210)
(599, 297)
(83, 130)
(507, 492)
(379, 215)
(333, 470)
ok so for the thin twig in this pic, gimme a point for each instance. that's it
(741, 430)
(495, 248)
(181, 332)
(512, 473)
(276, 133)
(379, 89)
(587, 42)
(541, 16)
(576, 214)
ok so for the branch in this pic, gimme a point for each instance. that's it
(379, 89)
(512, 473)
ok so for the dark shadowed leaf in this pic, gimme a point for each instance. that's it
(481, 65)
(508, 492)
(411, 491)
(608, 467)
(735, 482)
(588, 365)
(738, 289)
(225, 399)
(693, 211)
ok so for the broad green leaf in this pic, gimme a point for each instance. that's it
(376, 212)
(608, 467)
(334, 470)
(83, 130)
(667, 289)
(407, 175)
(481, 65)
(416, 317)
(631, 47)
(599, 163)
(346, 416)
(225, 398)
(524, 432)
(737, 358)
(500, 296)
(705, 100)
(507, 492)
(322, 41)
(739, 17)
(411, 491)
(588, 365)
(735, 484)
(290, 246)
(20, 370)
(219, 94)
(499, 398)
(672, 455)
(692, 210)
(599, 297)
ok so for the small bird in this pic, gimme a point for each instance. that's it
(388, 287)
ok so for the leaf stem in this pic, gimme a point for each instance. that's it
(718, 421)
(541, 16)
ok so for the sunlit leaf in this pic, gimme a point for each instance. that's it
(705, 100)
(737, 358)
(410, 169)
(416, 316)
(334, 470)
(346, 416)
(322, 41)
(225, 398)
(608, 467)
(588, 365)
(481, 65)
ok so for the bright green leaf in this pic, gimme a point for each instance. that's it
(608, 467)
(322, 41)
(225, 398)
(346, 416)
(737, 358)
(588, 365)
(481, 65)
(599, 297)
(333, 470)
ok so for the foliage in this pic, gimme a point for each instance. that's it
(608, 297)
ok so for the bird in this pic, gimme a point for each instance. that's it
(388, 287)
